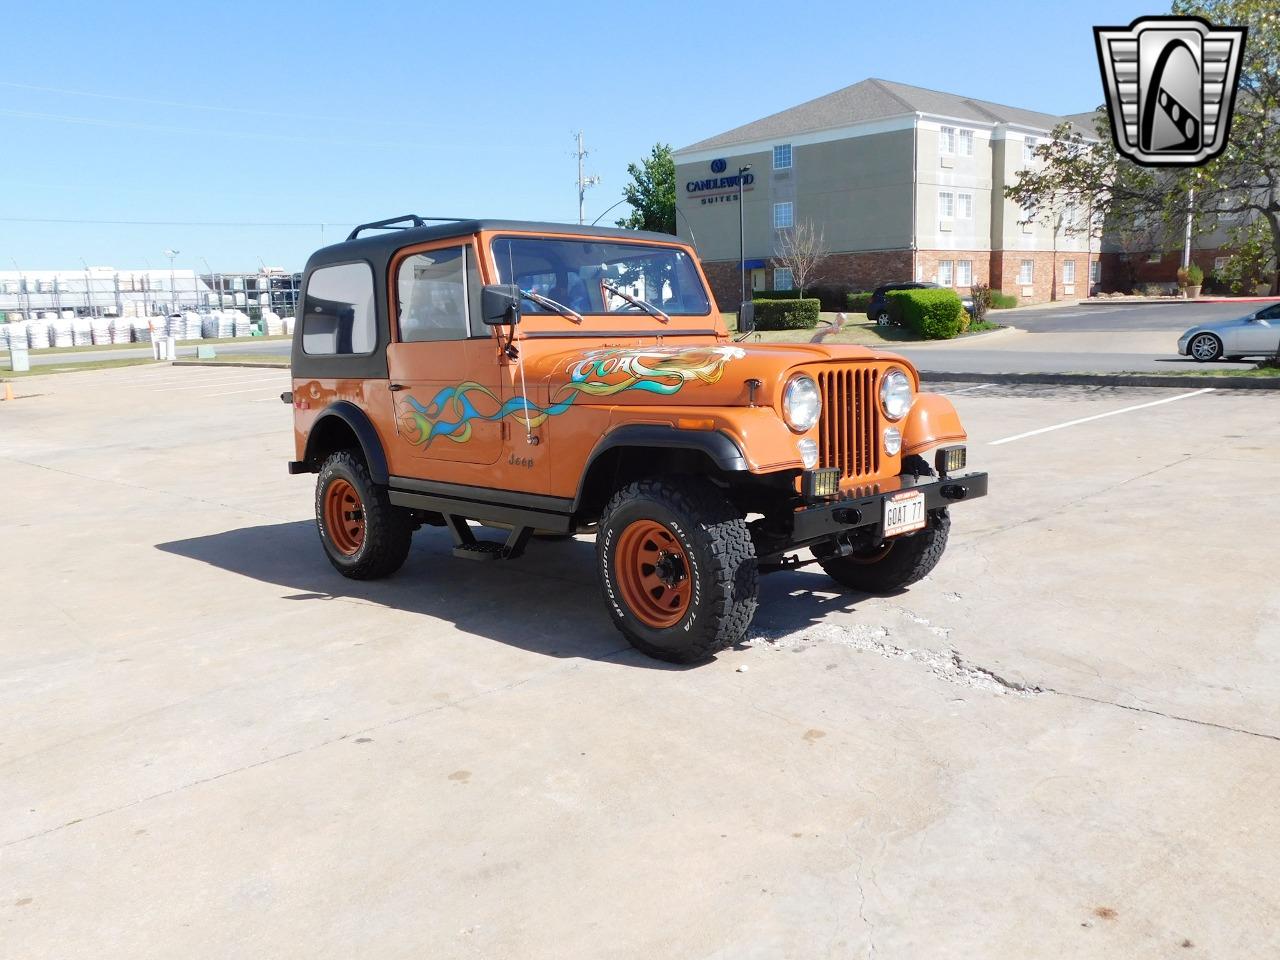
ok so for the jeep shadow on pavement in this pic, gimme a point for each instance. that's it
(557, 379)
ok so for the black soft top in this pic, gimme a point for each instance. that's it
(380, 247)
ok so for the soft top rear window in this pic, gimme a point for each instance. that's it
(579, 274)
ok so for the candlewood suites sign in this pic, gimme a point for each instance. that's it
(719, 189)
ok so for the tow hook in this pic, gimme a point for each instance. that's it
(849, 515)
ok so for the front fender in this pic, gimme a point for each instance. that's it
(932, 422)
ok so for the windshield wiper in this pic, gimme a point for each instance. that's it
(550, 304)
(644, 305)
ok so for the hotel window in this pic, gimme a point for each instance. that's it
(1068, 272)
(782, 156)
(1095, 271)
(944, 273)
(1029, 149)
(966, 143)
(964, 273)
(1219, 264)
(1026, 272)
(947, 140)
(782, 278)
(965, 203)
(783, 215)
(946, 204)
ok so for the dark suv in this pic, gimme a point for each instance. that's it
(878, 308)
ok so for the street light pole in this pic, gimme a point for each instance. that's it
(742, 242)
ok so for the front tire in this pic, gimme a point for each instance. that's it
(896, 563)
(1205, 347)
(677, 568)
(365, 536)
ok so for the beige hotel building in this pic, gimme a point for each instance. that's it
(904, 183)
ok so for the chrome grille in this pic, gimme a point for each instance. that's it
(849, 430)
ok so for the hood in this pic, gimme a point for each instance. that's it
(706, 374)
(1216, 326)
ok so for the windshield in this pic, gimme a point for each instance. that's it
(579, 273)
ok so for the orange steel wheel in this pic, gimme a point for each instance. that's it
(344, 517)
(653, 574)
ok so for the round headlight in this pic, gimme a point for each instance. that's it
(895, 394)
(801, 403)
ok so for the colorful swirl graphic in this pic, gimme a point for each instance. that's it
(600, 373)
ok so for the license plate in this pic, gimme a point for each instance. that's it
(904, 512)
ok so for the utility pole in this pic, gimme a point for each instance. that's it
(583, 181)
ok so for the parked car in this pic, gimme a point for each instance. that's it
(1255, 334)
(878, 308)
(551, 378)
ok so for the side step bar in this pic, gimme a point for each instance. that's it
(522, 520)
(467, 547)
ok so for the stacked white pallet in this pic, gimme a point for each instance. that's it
(61, 331)
(141, 329)
(38, 334)
(121, 330)
(15, 333)
(81, 332)
(242, 326)
(272, 325)
(226, 324)
(287, 325)
(191, 325)
(100, 330)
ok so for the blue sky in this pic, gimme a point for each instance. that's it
(310, 113)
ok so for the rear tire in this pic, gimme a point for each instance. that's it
(897, 563)
(677, 568)
(365, 536)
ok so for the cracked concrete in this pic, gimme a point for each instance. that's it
(1062, 743)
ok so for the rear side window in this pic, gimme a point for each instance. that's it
(338, 314)
(433, 296)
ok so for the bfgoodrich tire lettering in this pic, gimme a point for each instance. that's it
(907, 559)
(714, 550)
(384, 542)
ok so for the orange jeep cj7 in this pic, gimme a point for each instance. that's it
(549, 378)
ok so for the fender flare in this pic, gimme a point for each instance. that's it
(931, 421)
(363, 428)
(719, 447)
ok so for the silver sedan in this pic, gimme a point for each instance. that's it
(1254, 335)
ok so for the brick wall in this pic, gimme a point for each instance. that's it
(863, 271)
(927, 265)
(1005, 265)
(1125, 271)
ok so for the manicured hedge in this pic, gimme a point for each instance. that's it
(932, 314)
(858, 302)
(786, 314)
(775, 295)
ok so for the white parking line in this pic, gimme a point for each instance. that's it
(1099, 416)
(229, 393)
(215, 383)
(956, 393)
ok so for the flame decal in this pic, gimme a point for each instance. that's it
(600, 373)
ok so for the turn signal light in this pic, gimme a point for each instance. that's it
(816, 484)
(950, 459)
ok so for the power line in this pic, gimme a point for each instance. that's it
(194, 106)
(172, 223)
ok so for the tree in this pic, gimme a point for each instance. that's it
(652, 192)
(802, 249)
(1244, 181)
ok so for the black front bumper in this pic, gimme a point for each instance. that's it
(832, 518)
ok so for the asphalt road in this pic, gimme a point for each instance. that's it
(1062, 743)
(1174, 316)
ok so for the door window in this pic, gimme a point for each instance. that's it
(433, 296)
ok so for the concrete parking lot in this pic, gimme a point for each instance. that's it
(1063, 743)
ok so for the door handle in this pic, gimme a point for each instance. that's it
(396, 387)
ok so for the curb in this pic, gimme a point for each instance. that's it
(1171, 301)
(1105, 380)
(230, 363)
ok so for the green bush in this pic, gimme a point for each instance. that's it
(858, 302)
(1002, 301)
(832, 296)
(775, 294)
(786, 314)
(931, 313)
(1195, 275)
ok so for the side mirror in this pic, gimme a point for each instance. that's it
(500, 304)
(746, 317)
